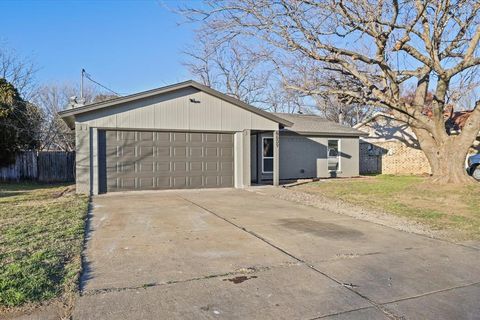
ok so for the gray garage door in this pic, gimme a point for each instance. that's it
(139, 160)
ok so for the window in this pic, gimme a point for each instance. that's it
(267, 155)
(333, 160)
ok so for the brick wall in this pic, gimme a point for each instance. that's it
(392, 157)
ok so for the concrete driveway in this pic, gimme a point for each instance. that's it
(238, 254)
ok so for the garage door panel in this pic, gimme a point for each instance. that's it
(211, 137)
(196, 137)
(211, 181)
(179, 137)
(196, 167)
(179, 182)
(164, 152)
(180, 166)
(226, 181)
(211, 166)
(211, 152)
(126, 136)
(146, 183)
(162, 136)
(146, 136)
(226, 167)
(196, 152)
(145, 152)
(164, 182)
(126, 151)
(146, 167)
(226, 152)
(112, 184)
(163, 160)
(180, 152)
(127, 183)
(228, 138)
(196, 182)
(163, 166)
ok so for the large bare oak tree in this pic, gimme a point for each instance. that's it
(382, 48)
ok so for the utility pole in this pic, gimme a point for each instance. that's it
(81, 83)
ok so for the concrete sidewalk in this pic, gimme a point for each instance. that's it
(236, 254)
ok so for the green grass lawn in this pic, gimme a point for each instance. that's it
(41, 237)
(452, 208)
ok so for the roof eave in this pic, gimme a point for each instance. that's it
(328, 134)
(69, 120)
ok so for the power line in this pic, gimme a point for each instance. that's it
(89, 77)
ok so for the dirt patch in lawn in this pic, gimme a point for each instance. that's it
(407, 202)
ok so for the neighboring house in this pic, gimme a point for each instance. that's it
(391, 147)
(188, 135)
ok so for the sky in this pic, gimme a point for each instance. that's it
(128, 46)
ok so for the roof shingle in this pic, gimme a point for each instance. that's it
(312, 124)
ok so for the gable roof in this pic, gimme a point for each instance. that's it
(373, 117)
(69, 114)
(316, 125)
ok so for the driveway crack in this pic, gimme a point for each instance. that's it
(379, 307)
(433, 292)
(242, 271)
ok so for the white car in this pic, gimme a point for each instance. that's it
(474, 166)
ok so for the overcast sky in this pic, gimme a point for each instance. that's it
(129, 46)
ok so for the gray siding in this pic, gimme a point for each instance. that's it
(350, 151)
(176, 111)
(253, 158)
(306, 157)
(82, 151)
(299, 154)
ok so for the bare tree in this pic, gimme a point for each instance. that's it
(242, 72)
(230, 67)
(382, 47)
(333, 109)
(55, 134)
(17, 70)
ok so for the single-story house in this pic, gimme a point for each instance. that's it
(188, 135)
(391, 147)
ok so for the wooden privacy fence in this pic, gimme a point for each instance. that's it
(43, 166)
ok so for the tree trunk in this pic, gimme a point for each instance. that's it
(447, 161)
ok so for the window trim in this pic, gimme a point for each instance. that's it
(339, 157)
(264, 157)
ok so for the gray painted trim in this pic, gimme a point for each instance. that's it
(68, 115)
(263, 157)
(246, 158)
(276, 158)
(339, 158)
(162, 130)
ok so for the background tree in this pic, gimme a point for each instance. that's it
(252, 74)
(55, 134)
(381, 47)
(18, 70)
(19, 123)
(36, 108)
(229, 67)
